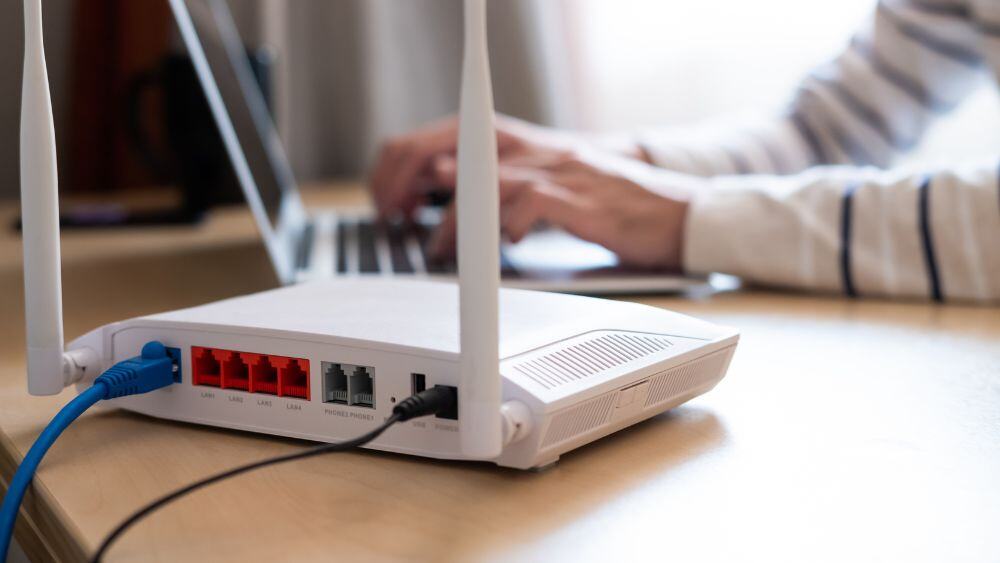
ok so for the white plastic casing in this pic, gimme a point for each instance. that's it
(582, 367)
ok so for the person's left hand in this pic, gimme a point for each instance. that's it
(633, 209)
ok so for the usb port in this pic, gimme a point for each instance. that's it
(418, 383)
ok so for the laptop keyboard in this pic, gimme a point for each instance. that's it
(401, 263)
(367, 247)
(367, 253)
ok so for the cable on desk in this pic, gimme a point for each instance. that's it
(432, 401)
(152, 370)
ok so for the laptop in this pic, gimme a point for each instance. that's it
(305, 244)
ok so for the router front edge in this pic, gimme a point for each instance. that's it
(326, 361)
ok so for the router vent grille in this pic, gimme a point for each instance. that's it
(579, 419)
(588, 357)
(666, 386)
(682, 379)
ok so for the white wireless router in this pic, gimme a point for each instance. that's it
(537, 374)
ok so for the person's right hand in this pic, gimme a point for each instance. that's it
(404, 171)
(634, 209)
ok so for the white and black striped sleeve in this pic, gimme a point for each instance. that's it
(914, 60)
(861, 232)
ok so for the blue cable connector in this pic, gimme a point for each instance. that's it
(154, 369)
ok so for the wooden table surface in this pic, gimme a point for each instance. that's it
(845, 430)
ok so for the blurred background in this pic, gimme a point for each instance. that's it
(343, 74)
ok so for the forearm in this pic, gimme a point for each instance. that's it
(771, 146)
(854, 231)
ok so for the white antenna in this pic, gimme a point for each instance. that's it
(49, 368)
(40, 215)
(478, 247)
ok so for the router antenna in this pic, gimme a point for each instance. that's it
(49, 368)
(477, 197)
(40, 212)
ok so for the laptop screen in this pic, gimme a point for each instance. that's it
(243, 101)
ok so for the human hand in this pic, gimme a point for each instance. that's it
(633, 209)
(404, 171)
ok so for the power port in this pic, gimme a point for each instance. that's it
(452, 413)
(334, 383)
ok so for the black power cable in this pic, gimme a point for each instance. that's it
(432, 401)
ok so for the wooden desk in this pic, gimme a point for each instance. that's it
(845, 430)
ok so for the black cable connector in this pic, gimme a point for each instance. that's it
(436, 400)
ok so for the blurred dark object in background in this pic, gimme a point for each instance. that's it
(193, 156)
(112, 42)
(138, 119)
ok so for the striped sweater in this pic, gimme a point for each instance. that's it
(810, 201)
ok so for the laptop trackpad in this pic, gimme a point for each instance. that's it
(555, 253)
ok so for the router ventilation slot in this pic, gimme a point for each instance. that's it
(668, 385)
(682, 379)
(577, 420)
(591, 356)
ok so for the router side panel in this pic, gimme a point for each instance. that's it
(568, 371)
(592, 418)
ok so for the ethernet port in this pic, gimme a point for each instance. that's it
(294, 379)
(175, 357)
(334, 383)
(235, 373)
(362, 387)
(263, 377)
(205, 367)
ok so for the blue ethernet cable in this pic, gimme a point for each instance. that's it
(152, 370)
